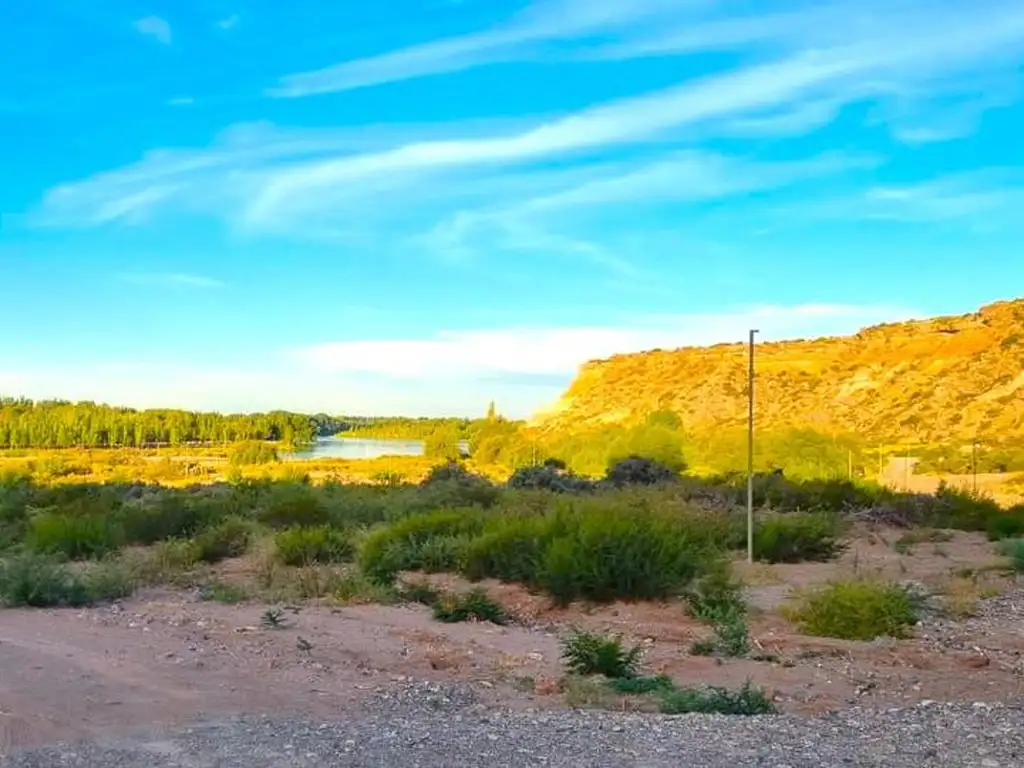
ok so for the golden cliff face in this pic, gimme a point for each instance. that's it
(927, 380)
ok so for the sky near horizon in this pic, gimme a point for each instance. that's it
(418, 206)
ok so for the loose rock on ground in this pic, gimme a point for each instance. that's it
(422, 724)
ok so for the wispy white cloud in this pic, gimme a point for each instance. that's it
(544, 20)
(995, 195)
(841, 73)
(610, 30)
(181, 101)
(229, 22)
(464, 185)
(560, 350)
(157, 28)
(171, 279)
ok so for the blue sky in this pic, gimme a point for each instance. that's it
(415, 206)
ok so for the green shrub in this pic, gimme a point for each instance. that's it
(75, 536)
(715, 593)
(229, 538)
(797, 537)
(251, 452)
(637, 470)
(1008, 525)
(856, 610)
(961, 510)
(399, 546)
(451, 485)
(108, 581)
(642, 684)
(609, 553)
(158, 516)
(474, 605)
(303, 546)
(549, 478)
(587, 653)
(293, 504)
(714, 700)
(1013, 549)
(510, 549)
(39, 581)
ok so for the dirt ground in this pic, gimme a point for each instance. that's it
(166, 658)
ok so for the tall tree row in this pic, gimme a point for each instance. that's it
(62, 424)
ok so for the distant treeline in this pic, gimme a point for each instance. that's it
(62, 424)
(404, 428)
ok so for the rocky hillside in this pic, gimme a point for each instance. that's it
(929, 380)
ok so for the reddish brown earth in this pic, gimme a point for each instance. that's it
(165, 658)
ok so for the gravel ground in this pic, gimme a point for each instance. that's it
(429, 725)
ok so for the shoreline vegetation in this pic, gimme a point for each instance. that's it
(60, 441)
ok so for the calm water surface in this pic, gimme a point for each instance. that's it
(356, 448)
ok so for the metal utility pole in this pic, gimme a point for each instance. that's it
(750, 452)
(974, 463)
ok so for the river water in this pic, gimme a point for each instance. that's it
(355, 448)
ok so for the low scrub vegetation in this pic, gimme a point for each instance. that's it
(748, 700)
(304, 546)
(1014, 550)
(797, 537)
(41, 581)
(587, 654)
(642, 532)
(856, 610)
(475, 605)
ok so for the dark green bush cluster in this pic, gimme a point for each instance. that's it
(229, 538)
(856, 610)
(1007, 525)
(597, 550)
(431, 542)
(549, 478)
(41, 581)
(452, 485)
(75, 536)
(797, 537)
(638, 470)
(305, 546)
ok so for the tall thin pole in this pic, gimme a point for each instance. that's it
(974, 463)
(750, 452)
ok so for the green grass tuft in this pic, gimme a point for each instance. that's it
(856, 610)
(588, 653)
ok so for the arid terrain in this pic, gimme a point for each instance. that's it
(933, 380)
(166, 658)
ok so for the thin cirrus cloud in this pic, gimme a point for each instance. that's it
(541, 21)
(842, 73)
(608, 30)
(157, 28)
(298, 182)
(180, 279)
